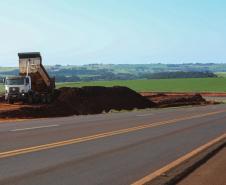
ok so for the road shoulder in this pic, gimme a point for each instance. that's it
(211, 172)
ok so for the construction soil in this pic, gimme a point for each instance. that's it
(169, 100)
(204, 94)
(96, 100)
(82, 101)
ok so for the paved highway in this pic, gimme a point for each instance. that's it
(116, 148)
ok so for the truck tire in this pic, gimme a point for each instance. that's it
(10, 101)
(36, 99)
(44, 99)
(48, 98)
(30, 99)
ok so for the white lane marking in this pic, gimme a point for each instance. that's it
(141, 115)
(33, 128)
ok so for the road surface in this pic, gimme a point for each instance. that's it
(116, 148)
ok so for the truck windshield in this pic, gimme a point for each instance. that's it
(18, 81)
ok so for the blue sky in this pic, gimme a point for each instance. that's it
(114, 31)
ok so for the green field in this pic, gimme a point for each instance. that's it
(179, 85)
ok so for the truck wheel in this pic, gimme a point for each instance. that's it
(36, 99)
(48, 99)
(30, 99)
(44, 99)
(10, 101)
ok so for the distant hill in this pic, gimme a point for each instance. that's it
(98, 72)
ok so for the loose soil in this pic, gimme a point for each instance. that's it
(95, 100)
(209, 94)
(83, 101)
(166, 100)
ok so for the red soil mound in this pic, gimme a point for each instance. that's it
(163, 100)
(94, 100)
(83, 101)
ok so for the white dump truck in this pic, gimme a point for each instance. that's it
(33, 85)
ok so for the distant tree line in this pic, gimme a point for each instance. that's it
(117, 72)
(179, 74)
(125, 76)
(14, 72)
(61, 78)
(106, 77)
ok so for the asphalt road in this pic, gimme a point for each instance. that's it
(116, 148)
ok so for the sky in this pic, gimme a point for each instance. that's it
(75, 32)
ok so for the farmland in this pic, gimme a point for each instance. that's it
(180, 85)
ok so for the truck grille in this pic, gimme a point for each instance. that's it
(14, 90)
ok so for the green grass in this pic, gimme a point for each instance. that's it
(5, 69)
(179, 85)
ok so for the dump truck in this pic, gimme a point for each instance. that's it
(33, 85)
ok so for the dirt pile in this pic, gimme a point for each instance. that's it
(164, 100)
(94, 100)
(83, 101)
(204, 94)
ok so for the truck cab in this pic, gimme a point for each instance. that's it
(17, 88)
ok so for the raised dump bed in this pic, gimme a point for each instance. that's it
(30, 64)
